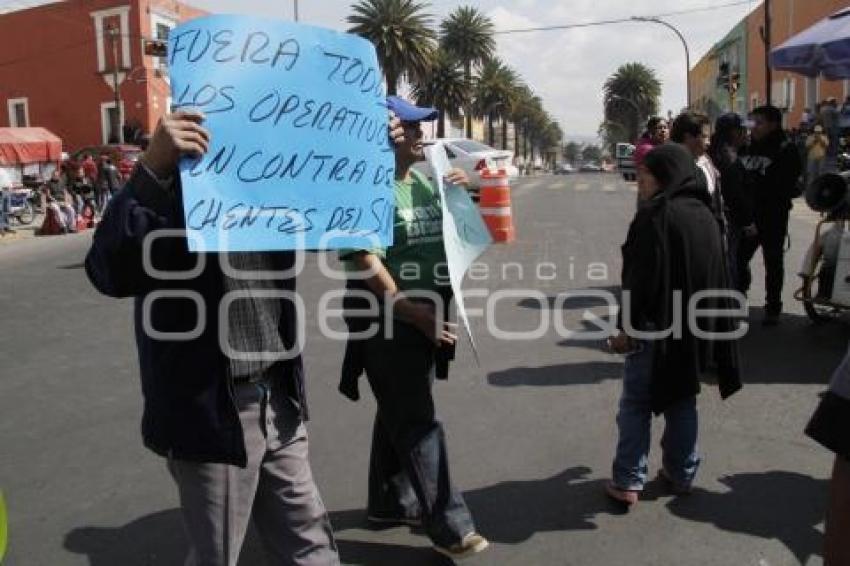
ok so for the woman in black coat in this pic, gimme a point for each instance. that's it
(673, 252)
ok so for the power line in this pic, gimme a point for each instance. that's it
(624, 20)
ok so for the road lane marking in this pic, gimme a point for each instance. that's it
(582, 186)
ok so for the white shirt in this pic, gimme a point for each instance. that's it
(711, 172)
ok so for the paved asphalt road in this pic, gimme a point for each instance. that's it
(531, 431)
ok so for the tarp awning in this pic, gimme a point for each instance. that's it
(19, 146)
(823, 49)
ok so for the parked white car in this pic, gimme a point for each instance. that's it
(472, 157)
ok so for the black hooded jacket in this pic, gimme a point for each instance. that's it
(674, 244)
(738, 196)
(773, 167)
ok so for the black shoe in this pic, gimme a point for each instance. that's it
(771, 319)
(386, 519)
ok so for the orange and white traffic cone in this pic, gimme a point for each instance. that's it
(495, 205)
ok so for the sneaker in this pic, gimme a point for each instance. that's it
(472, 544)
(625, 497)
(377, 519)
(676, 488)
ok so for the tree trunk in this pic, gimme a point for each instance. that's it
(441, 124)
(491, 128)
(525, 145)
(516, 139)
(467, 72)
(392, 84)
(504, 133)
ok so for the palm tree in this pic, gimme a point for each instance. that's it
(402, 34)
(445, 87)
(468, 35)
(494, 91)
(631, 94)
(537, 122)
(520, 110)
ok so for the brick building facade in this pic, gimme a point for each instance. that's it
(60, 62)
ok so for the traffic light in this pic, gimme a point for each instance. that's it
(727, 79)
(733, 83)
(156, 48)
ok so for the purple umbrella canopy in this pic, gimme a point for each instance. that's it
(823, 49)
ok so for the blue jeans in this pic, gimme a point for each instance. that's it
(409, 467)
(679, 443)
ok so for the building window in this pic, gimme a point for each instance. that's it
(812, 92)
(19, 113)
(103, 40)
(789, 93)
(161, 34)
(112, 122)
(161, 28)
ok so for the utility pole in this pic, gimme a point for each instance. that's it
(118, 129)
(768, 75)
(295, 2)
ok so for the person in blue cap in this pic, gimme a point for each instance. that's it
(409, 480)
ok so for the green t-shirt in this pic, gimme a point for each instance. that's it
(417, 258)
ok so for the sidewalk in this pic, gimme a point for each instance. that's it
(26, 232)
(22, 232)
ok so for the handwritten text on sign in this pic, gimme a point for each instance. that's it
(299, 156)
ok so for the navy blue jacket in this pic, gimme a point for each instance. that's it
(190, 411)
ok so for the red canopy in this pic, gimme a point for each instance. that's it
(19, 146)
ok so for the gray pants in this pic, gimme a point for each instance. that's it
(276, 490)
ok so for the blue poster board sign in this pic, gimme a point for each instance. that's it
(300, 156)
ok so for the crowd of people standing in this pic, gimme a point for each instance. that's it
(232, 430)
(72, 198)
(747, 178)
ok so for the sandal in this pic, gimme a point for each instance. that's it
(623, 496)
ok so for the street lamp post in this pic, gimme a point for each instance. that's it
(295, 6)
(684, 44)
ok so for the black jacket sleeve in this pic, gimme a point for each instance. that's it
(114, 263)
(787, 168)
(734, 190)
(642, 272)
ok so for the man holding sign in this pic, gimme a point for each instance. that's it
(231, 426)
(202, 235)
(409, 480)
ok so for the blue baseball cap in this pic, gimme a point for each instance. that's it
(408, 112)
